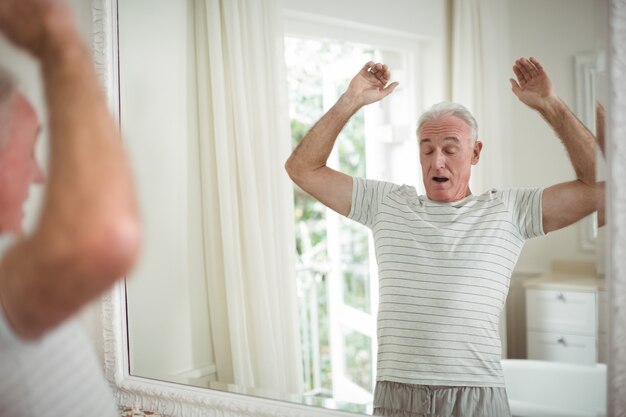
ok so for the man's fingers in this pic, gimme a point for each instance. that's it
(515, 86)
(379, 70)
(518, 73)
(389, 89)
(366, 68)
(528, 68)
(536, 63)
(519, 64)
(368, 65)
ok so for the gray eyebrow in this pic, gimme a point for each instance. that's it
(450, 138)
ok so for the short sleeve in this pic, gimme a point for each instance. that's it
(525, 208)
(366, 198)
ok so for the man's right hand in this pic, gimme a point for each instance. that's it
(30, 24)
(307, 164)
(370, 84)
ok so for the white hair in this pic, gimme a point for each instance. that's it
(449, 108)
(8, 87)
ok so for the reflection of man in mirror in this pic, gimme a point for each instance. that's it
(600, 126)
(445, 258)
(87, 235)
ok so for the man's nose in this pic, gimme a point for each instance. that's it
(439, 160)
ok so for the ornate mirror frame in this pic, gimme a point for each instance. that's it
(586, 67)
(179, 400)
(616, 207)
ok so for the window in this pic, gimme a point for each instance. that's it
(336, 271)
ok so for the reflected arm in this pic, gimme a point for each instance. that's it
(600, 127)
(307, 164)
(600, 121)
(566, 203)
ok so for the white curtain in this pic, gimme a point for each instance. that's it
(247, 196)
(481, 68)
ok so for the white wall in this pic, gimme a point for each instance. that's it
(420, 17)
(562, 29)
(168, 317)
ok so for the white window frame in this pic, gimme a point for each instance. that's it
(413, 50)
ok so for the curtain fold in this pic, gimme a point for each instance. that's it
(481, 68)
(247, 197)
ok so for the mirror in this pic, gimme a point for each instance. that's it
(180, 305)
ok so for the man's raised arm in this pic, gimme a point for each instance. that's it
(88, 234)
(307, 164)
(566, 203)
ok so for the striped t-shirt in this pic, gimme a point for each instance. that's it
(57, 375)
(444, 271)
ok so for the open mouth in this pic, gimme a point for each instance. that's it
(440, 179)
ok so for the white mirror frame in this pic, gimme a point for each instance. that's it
(616, 208)
(586, 66)
(185, 401)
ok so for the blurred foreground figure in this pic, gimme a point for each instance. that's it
(87, 235)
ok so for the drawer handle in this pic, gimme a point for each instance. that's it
(561, 341)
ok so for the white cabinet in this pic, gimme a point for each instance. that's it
(563, 318)
(603, 317)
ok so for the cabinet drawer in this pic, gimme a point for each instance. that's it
(560, 347)
(562, 311)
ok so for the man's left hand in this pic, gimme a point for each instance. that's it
(533, 87)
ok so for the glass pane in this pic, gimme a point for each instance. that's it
(356, 290)
(312, 293)
(351, 145)
(317, 69)
(359, 359)
(310, 230)
(355, 259)
(354, 243)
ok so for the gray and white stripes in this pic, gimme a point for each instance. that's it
(57, 375)
(444, 271)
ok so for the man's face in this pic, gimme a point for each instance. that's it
(18, 167)
(447, 153)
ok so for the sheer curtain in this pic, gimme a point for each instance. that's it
(481, 68)
(247, 197)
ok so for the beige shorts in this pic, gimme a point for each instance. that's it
(394, 399)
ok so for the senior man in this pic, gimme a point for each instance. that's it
(87, 235)
(445, 258)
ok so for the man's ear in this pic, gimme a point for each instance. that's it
(478, 147)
